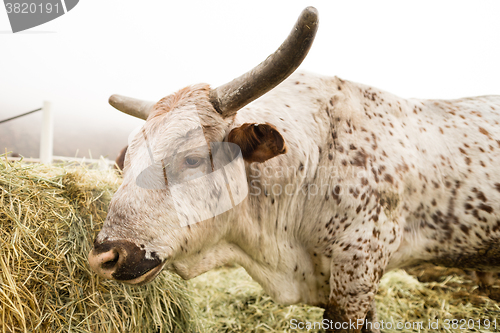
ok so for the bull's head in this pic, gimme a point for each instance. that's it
(150, 219)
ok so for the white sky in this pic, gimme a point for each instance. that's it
(149, 49)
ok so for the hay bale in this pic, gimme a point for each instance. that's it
(49, 216)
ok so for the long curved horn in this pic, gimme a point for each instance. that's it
(230, 97)
(132, 106)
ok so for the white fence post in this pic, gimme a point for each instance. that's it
(47, 136)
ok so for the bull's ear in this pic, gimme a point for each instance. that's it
(258, 142)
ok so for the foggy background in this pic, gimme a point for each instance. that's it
(149, 49)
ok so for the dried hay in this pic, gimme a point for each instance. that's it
(49, 216)
(230, 301)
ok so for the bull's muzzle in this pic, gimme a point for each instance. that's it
(124, 261)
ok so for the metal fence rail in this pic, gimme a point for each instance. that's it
(20, 115)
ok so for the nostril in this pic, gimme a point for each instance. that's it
(111, 263)
(121, 260)
(105, 263)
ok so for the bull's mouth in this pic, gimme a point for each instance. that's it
(146, 277)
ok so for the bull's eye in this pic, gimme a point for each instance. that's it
(192, 162)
